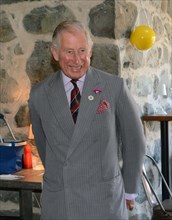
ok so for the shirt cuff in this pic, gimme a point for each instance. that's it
(130, 196)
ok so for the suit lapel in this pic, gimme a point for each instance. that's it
(58, 102)
(87, 110)
(89, 102)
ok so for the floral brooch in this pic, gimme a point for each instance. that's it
(97, 90)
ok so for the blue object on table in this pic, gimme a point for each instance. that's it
(11, 153)
(11, 157)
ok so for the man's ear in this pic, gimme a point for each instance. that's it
(54, 53)
(91, 53)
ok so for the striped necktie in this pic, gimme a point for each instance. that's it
(75, 100)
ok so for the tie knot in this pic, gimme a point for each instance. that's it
(73, 81)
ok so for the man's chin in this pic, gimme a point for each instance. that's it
(77, 73)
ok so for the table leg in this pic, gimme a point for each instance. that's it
(26, 212)
(165, 157)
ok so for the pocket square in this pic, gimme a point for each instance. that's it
(103, 106)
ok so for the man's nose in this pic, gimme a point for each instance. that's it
(76, 57)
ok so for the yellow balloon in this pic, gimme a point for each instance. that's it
(142, 37)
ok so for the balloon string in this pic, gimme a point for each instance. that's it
(141, 3)
(144, 11)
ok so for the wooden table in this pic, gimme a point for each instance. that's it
(31, 181)
(163, 119)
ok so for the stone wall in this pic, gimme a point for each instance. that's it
(25, 34)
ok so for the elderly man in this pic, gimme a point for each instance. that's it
(78, 116)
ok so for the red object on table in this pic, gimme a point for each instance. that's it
(27, 160)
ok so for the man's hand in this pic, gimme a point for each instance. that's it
(130, 204)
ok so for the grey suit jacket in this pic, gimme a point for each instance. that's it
(83, 179)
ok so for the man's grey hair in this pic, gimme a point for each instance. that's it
(69, 25)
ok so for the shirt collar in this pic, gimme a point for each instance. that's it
(66, 79)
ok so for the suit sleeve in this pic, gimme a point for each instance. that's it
(133, 140)
(38, 131)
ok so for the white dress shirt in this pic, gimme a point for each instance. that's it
(69, 86)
